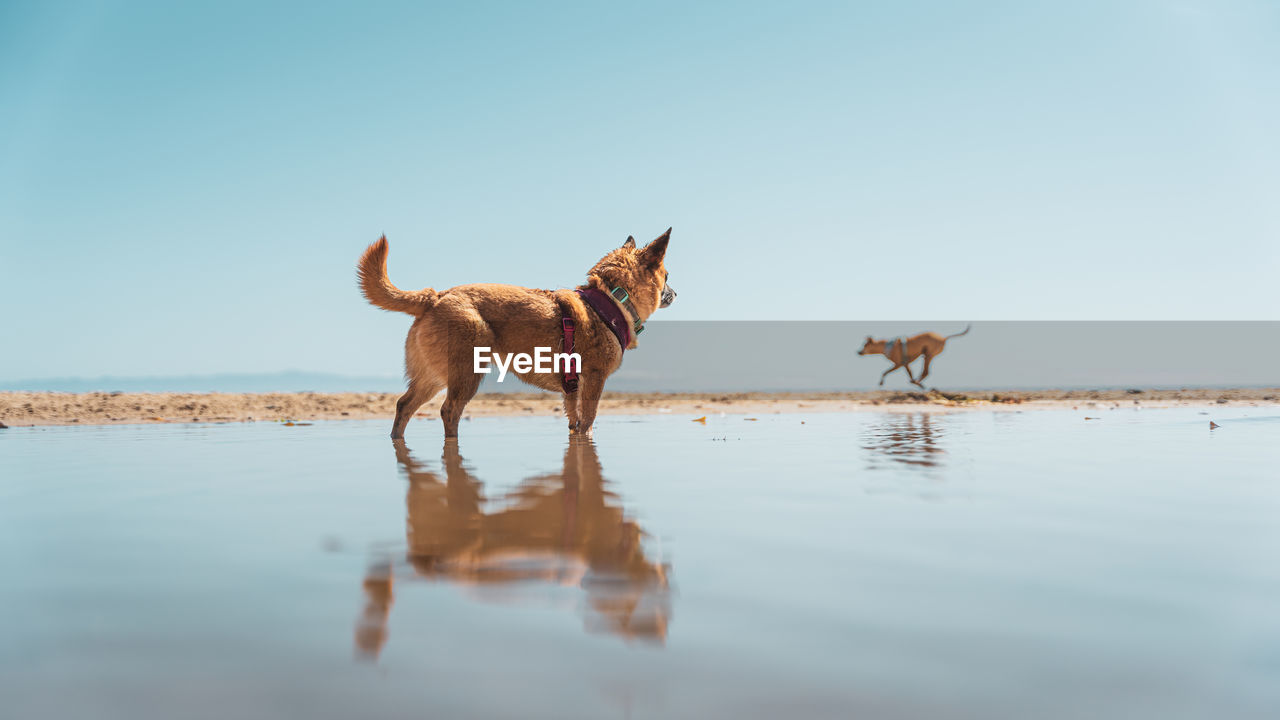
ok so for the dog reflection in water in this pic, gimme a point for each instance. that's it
(910, 439)
(562, 528)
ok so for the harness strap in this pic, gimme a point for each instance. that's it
(901, 346)
(570, 380)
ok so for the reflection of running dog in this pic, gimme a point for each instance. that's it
(908, 439)
(904, 352)
(562, 528)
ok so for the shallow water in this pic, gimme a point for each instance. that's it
(886, 565)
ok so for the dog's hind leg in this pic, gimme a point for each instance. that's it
(409, 403)
(925, 373)
(462, 387)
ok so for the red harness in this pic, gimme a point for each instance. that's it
(570, 380)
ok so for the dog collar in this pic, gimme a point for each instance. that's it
(609, 313)
(624, 299)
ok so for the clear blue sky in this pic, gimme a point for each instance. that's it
(185, 187)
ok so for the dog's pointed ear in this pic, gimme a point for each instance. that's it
(656, 250)
(868, 338)
(630, 244)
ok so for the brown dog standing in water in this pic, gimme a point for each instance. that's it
(904, 352)
(621, 292)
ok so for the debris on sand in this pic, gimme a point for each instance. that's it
(730, 398)
(1005, 399)
(942, 397)
(1213, 425)
(908, 397)
(702, 420)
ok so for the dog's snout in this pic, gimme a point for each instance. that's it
(668, 296)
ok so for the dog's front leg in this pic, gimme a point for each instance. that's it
(915, 382)
(589, 397)
(886, 373)
(571, 409)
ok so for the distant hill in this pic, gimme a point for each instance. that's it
(289, 381)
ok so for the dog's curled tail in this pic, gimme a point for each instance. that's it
(966, 330)
(371, 273)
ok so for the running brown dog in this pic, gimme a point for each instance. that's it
(621, 292)
(904, 352)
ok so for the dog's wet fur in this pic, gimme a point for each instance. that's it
(449, 324)
(930, 345)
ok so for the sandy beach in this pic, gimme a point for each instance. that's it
(46, 408)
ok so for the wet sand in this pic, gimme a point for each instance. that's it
(46, 408)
